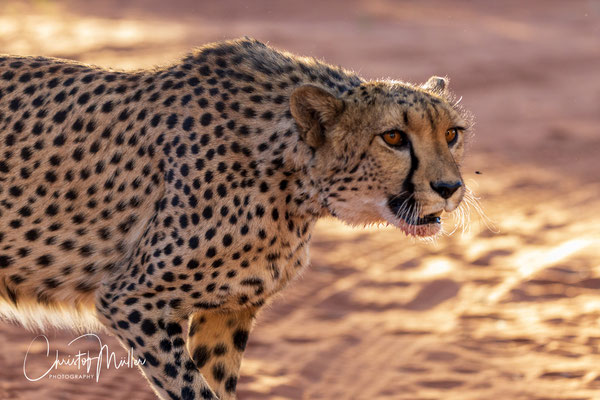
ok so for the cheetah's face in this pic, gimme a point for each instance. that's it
(386, 152)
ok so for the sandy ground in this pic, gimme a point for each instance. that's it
(507, 313)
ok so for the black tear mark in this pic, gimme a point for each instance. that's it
(408, 185)
(395, 202)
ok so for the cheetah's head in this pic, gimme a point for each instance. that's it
(385, 152)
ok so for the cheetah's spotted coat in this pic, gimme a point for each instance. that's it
(150, 198)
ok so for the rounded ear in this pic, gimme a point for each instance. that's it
(436, 84)
(315, 111)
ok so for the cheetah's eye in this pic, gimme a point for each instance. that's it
(395, 138)
(452, 135)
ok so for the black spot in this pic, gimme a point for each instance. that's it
(52, 210)
(240, 338)
(45, 260)
(165, 345)
(32, 235)
(172, 120)
(206, 119)
(210, 233)
(107, 107)
(67, 245)
(181, 150)
(174, 329)
(5, 261)
(186, 99)
(38, 128)
(51, 283)
(84, 98)
(168, 276)
(123, 324)
(59, 140)
(155, 120)
(260, 211)
(18, 126)
(4, 167)
(230, 384)
(25, 211)
(53, 83)
(211, 252)
(206, 394)
(60, 116)
(15, 104)
(130, 301)
(9, 140)
(124, 115)
(100, 89)
(218, 372)
(249, 113)
(134, 317)
(151, 359)
(188, 124)
(50, 176)
(148, 327)
(78, 154)
(201, 356)
(60, 97)
(187, 393)
(204, 70)
(220, 349)
(171, 370)
(15, 191)
(78, 125)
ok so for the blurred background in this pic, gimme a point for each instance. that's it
(507, 312)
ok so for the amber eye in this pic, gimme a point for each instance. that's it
(451, 135)
(394, 138)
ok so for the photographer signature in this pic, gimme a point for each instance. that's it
(83, 359)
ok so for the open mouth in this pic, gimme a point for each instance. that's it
(411, 223)
(435, 218)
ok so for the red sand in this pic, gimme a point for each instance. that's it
(512, 314)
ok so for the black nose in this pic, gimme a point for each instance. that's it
(445, 189)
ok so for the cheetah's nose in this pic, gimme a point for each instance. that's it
(445, 189)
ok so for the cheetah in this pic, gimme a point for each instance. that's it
(151, 201)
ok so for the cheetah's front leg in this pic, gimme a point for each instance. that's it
(217, 341)
(158, 339)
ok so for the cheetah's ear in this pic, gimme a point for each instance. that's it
(315, 111)
(436, 84)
